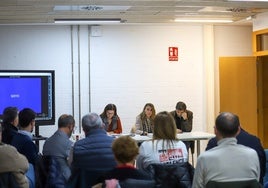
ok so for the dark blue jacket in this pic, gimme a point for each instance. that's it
(25, 146)
(9, 131)
(246, 139)
(93, 154)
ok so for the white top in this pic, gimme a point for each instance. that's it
(159, 152)
(228, 161)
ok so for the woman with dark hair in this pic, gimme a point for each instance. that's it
(111, 120)
(10, 123)
(144, 121)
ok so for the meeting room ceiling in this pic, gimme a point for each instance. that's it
(128, 11)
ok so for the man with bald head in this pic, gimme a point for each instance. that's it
(92, 155)
(228, 161)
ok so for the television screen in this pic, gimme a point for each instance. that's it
(29, 89)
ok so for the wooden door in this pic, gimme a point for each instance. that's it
(238, 90)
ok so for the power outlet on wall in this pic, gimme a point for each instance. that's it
(96, 31)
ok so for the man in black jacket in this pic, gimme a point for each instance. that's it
(246, 139)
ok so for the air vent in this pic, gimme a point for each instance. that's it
(238, 10)
(90, 8)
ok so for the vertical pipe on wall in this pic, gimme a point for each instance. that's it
(79, 78)
(72, 68)
(89, 93)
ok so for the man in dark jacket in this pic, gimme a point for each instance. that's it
(91, 156)
(23, 140)
(246, 139)
(184, 121)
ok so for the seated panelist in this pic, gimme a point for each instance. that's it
(144, 121)
(111, 120)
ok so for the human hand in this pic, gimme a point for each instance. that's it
(184, 115)
(179, 131)
(144, 134)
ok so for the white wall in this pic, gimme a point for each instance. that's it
(130, 67)
(125, 65)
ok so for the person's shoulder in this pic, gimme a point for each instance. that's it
(6, 148)
(189, 112)
(244, 136)
(19, 137)
(173, 112)
(247, 150)
(147, 144)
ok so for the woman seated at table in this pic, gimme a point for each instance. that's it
(165, 147)
(144, 121)
(111, 120)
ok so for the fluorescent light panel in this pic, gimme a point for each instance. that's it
(203, 21)
(88, 21)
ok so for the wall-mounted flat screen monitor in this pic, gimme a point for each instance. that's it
(29, 89)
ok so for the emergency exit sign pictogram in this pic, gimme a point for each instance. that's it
(173, 53)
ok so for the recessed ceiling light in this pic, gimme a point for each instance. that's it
(87, 21)
(203, 20)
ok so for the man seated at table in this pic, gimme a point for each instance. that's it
(183, 119)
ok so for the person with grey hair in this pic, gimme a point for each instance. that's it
(91, 156)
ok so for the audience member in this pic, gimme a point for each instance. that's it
(93, 154)
(144, 121)
(246, 139)
(125, 151)
(23, 140)
(228, 161)
(111, 120)
(10, 123)
(165, 147)
(15, 163)
(59, 144)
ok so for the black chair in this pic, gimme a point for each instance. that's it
(48, 173)
(234, 184)
(82, 178)
(134, 183)
(178, 175)
(7, 180)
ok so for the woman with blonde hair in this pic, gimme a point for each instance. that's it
(144, 121)
(165, 147)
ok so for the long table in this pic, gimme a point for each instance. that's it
(186, 136)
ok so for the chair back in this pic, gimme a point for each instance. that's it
(178, 175)
(134, 183)
(8, 180)
(234, 184)
(48, 173)
(265, 178)
(83, 178)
